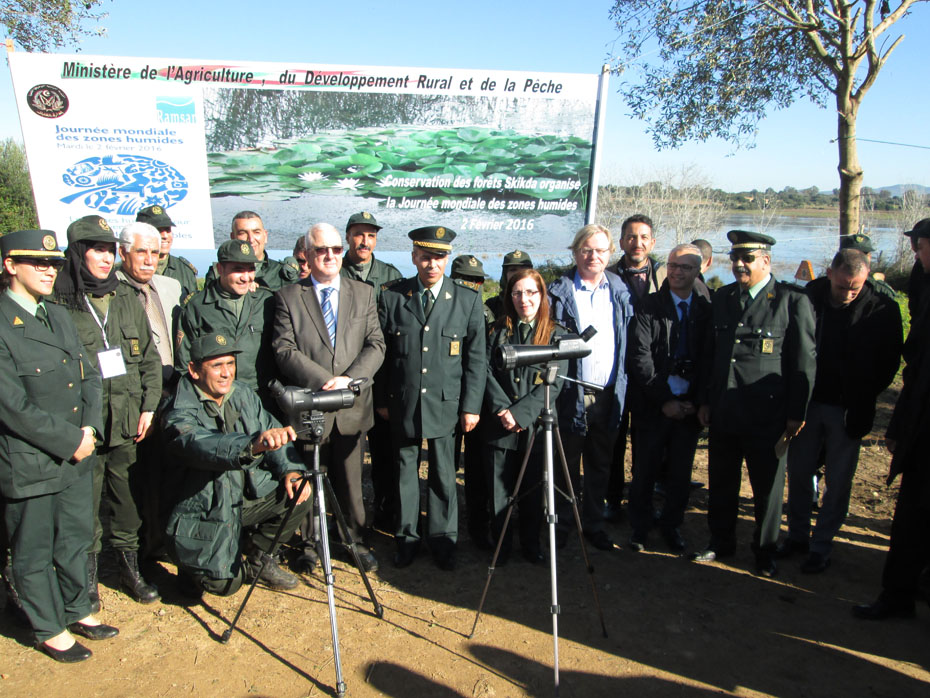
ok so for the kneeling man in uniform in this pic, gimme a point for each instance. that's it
(235, 467)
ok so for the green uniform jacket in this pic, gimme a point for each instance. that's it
(48, 391)
(212, 471)
(204, 314)
(520, 390)
(380, 274)
(139, 389)
(184, 272)
(763, 359)
(435, 369)
(269, 274)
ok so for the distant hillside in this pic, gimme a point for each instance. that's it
(899, 189)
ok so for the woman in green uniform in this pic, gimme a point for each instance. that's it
(513, 400)
(49, 413)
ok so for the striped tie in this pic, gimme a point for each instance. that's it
(328, 316)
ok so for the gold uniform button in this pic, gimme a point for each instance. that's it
(516, 380)
(732, 361)
(38, 370)
(422, 390)
(70, 385)
(64, 361)
(423, 370)
(739, 324)
(426, 328)
(74, 409)
(737, 341)
(425, 348)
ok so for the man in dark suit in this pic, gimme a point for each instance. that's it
(755, 394)
(436, 368)
(665, 356)
(326, 334)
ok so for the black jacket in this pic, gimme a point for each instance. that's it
(653, 336)
(871, 350)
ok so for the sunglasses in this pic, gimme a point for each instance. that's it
(744, 257)
(686, 268)
(321, 251)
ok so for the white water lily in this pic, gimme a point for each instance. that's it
(311, 176)
(346, 184)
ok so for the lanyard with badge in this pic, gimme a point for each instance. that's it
(109, 360)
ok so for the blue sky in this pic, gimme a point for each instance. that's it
(793, 146)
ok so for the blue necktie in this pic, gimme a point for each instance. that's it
(329, 317)
(682, 351)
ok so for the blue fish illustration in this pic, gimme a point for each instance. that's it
(123, 184)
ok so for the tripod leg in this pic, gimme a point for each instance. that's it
(343, 527)
(274, 547)
(328, 575)
(500, 539)
(584, 550)
(551, 518)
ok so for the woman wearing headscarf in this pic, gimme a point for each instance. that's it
(112, 326)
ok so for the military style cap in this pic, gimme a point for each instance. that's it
(91, 229)
(517, 258)
(467, 265)
(860, 242)
(433, 238)
(154, 215)
(363, 218)
(236, 251)
(745, 240)
(921, 229)
(209, 345)
(31, 244)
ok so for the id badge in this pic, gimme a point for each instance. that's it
(768, 346)
(111, 363)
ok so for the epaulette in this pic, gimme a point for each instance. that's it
(466, 284)
(291, 261)
(191, 266)
(388, 284)
(189, 296)
(474, 285)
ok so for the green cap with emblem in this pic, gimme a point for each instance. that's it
(921, 229)
(746, 240)
(517, 258)
(30, 244)
(209, 345)
(860, 242)
(467, 266)
(236, 251)
(362, 218)
(90, 229)
(155, 216)
(433, 238)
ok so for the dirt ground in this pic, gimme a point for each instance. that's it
(675, 628)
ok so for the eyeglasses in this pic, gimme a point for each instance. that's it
(527, 293)
(744, 257)
(321, 251)
(43, 264)
(686, 268)
(599, 251)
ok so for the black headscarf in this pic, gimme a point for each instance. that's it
(74, 280)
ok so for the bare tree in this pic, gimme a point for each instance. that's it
(40, 25)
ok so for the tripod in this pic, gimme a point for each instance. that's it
(321, 487)
(551, 434)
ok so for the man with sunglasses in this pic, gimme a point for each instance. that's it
(754, 395)
(326, 334)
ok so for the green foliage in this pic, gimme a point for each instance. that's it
(17, 207)
(40, 25)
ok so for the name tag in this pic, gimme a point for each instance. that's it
(768, 346)
(454, 348)
(111, 363)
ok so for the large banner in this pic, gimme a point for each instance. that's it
(503, 158)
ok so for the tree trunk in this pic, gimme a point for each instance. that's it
(849, 168)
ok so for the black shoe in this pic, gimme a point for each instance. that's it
(885, 606)
(638, 542)
(534, 556)
(405, 554)
(713, 552)
(368, 560)
(673, 538)
(76, 653)
(765, 565)
(443, 550)
(600, 540)
(790, 546)
(613, 513)
(815, 564)
(93, 632)
(271, 575)
(696, 484)
(131, 579)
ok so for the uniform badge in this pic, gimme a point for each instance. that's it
(538, 379)
(49, 243)
(17, 321)
(244, 248)
(455, 348)
(157, 210)
(517, 254)
(472, 262)
(134, 348)
(448, 296)
(366, 215)
(440, 232)
(768, 346)
(221, 340)
(103, 224)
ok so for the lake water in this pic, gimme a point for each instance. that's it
(798, 238)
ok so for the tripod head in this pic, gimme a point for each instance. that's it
(304, 408)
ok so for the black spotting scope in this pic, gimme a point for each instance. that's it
(293, 400)
(568, 346)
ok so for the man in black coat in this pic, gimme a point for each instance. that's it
(858, 335)
(667, 339)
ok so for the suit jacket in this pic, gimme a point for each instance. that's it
(48, 391)
(306, 358)
(435, 367)
(763, 360)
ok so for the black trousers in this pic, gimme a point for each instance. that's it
(383, 469)
(766, 476)
(909, 551)
(503, 468)
(477, 494)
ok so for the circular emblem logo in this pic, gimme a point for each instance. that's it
(47, 101)
(221, 340)
(49, 243)
(440, 232)
(244, 248)
(472, 262)
(517, 254)
(103, 224)
(859, 238)
(157, 210)
(366, 215)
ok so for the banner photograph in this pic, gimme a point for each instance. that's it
(495, 155)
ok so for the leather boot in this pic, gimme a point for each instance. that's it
(131, 579)
(93, 594)
(272, 575)
(14, 607)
